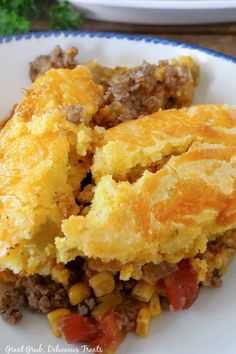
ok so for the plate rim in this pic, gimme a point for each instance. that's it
(116, 35)
(163, 5)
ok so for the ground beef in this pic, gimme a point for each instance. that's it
(91, 303)
(83, 310)
(43, 294)
(40, 294)
(127, 323)
(141, 90)
(128, 92)
(129, 309)
(56, 59)
(87, 306)
(10, 304)
(218, 255)
(74, 114)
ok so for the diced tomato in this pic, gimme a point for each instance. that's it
(111, 334)
(182, 286)
(75, 328)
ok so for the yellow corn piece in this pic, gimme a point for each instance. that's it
(78, 293)
(143, 291)
(143, 321)
(155, 306)
(102, 283)
(54, 317)
(60, 274)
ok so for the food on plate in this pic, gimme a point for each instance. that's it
(130, 92)
(114, 207)
(44, 158)
(54, 60)
(166, 214)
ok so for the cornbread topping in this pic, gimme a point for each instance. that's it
(117, 200)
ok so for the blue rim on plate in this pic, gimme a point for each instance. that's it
(116, 35)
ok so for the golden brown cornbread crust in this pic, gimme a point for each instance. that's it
(167, 215)
(43, 159)
(182, 195)
(152, 138)
(45, 153)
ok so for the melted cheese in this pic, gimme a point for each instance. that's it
(42, 162)
(166, 215)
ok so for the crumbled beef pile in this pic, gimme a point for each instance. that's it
(87, 306)
(141, 90)
(128, 92)
(56, 59)
(10, 304)
(40, 294)
(43, 294)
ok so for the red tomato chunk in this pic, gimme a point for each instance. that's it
(182, 286)
(75, 328)
(106, 334)
(111, 334)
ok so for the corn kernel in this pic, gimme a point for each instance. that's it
(143, 321)
(155, 306)
(60, 274)
(143, 291)
(78, 293)
(102, 283)
(54, 317)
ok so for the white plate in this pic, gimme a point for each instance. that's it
(208, 327)
(160, 12)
